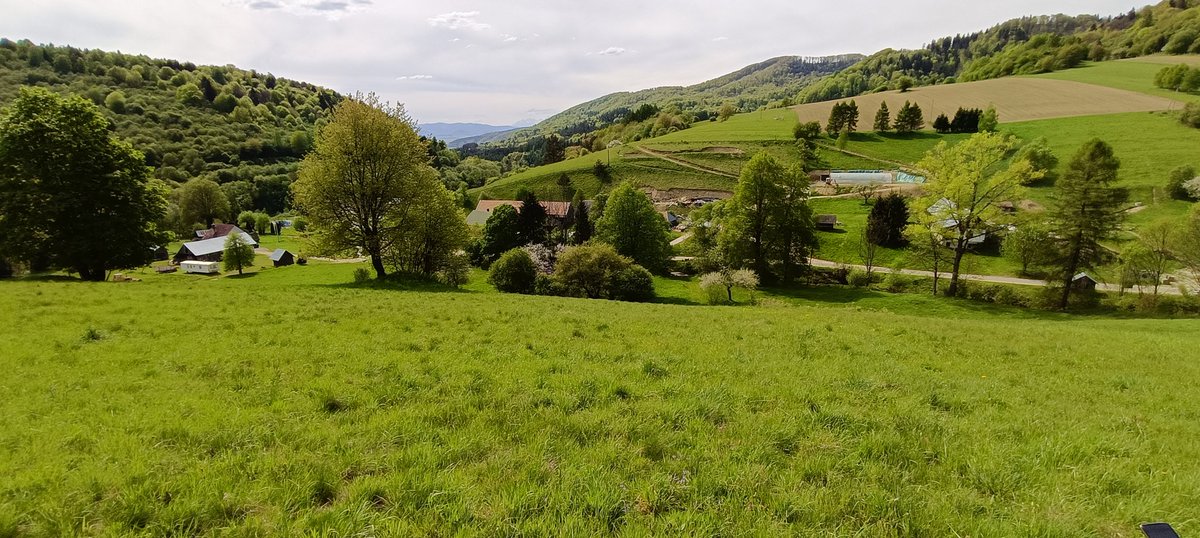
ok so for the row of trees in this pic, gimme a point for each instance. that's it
(968, 120)
(1179, 78)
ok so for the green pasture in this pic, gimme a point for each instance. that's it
(292, 402)
(1136, 75)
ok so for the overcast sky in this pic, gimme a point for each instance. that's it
(486, 62)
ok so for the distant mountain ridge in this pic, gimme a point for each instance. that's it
(761, 84)
(450, 132)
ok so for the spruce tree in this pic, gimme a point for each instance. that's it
(582, 226)
(883, 119)
(1087, 210)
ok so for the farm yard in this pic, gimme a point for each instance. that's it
(324, 407)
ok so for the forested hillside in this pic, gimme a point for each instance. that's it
(244, 129)
(1022, 46)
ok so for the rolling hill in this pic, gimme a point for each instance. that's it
(219, 122)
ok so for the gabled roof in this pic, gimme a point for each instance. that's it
(1082, 276)
(553, 209)
(205, 247)
(278, 254)
(220, 230)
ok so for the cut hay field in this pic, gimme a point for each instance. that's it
(292, 403)
(1015, 99)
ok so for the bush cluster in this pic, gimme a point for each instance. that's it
(594, 271)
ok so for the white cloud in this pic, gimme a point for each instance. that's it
(456, 20)
(720, 38)
(612, 51)
(509, 38)
(415, 77)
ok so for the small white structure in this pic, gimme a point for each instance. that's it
(205, 268)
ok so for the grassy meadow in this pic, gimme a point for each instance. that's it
(292, 402)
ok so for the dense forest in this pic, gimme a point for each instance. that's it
(243, 129)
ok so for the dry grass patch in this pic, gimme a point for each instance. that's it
(1016, 99)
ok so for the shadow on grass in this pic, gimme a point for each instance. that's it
(243, 275)
(401, 282)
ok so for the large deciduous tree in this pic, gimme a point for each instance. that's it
(966, 184)
(1086, 210)
(768, 223)
(634, 228)
(500, 235)
(365, 179)
(202, 200)
(71, 195)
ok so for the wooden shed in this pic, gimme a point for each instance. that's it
(282, 257)
(826, 222)
(1083, 282)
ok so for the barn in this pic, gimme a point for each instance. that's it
(281, 257)
(207, 250)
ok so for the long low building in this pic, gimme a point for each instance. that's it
(209, 250)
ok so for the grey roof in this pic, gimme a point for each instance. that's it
(1082, 276)
(478, 217)
(278, 254)
(214, 245)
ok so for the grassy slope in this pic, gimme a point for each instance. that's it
(204, 404)
(1135, 75)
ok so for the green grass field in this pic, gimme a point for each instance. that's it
(291, 402)
(1134, 75)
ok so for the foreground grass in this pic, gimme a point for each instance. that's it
(290, 402)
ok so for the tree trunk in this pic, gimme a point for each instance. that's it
(91, 274)
(958, 256)
(377, 263)
(1068, 276)
(729, 292)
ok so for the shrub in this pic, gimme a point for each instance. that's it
(361, 275)
(588, 269)
(897, 283)
(1191, 115)
(547, 285)
(514, 272)
(719, 285)
(300, 224)
(858, 279)
(456, 272)
(634, 283)
(1176, 180)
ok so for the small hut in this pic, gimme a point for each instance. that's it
(160, 253)
(282, 257)
(826, 222)
(1083, 282)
